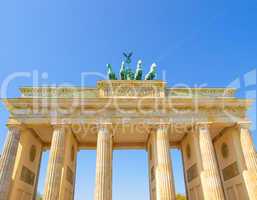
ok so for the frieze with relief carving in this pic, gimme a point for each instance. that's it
(131, 88)
(132, 92)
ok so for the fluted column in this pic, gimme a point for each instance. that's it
(250, 158)
(211, 182)
(103, 185)
(55, 164)
(7, 161)
(165, 189)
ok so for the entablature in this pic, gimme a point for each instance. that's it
(126, 89)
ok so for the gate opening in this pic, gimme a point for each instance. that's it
(85, 175)
(42, 173)
(178, 171)
(130, 175)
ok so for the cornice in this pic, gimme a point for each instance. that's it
(120, 89)
(178, 103)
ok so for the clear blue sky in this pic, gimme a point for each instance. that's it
(194, 41)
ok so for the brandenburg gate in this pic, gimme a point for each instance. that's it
(208, 125)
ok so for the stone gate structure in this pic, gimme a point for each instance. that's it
(208, 125)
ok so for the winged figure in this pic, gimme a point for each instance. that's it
(128, 57)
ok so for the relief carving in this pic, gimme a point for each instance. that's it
(192, 173)
(69, 175)
(230, 171)
(27, 176)
(130, 92)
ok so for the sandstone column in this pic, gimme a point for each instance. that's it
(55, 164)
(250, 158)
(165, 189)
(210, 178)
(7, 161)
(103, 187)
(68, 180)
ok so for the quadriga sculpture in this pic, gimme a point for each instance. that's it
(126, 72)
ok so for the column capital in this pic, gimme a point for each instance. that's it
(161, 126)
(244, 124)
(203, 124)
(105, 127)
(103, 124)
(16, 127)
(60, 127)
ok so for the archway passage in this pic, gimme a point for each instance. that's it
(178, 171)
(42, 173)
(85, 175)
(130, 175)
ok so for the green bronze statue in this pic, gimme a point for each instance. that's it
(128, 57)
(111, 74)
(152, 73)
(139, 71)
(126, 72)
(123, 72)
(130, 74)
